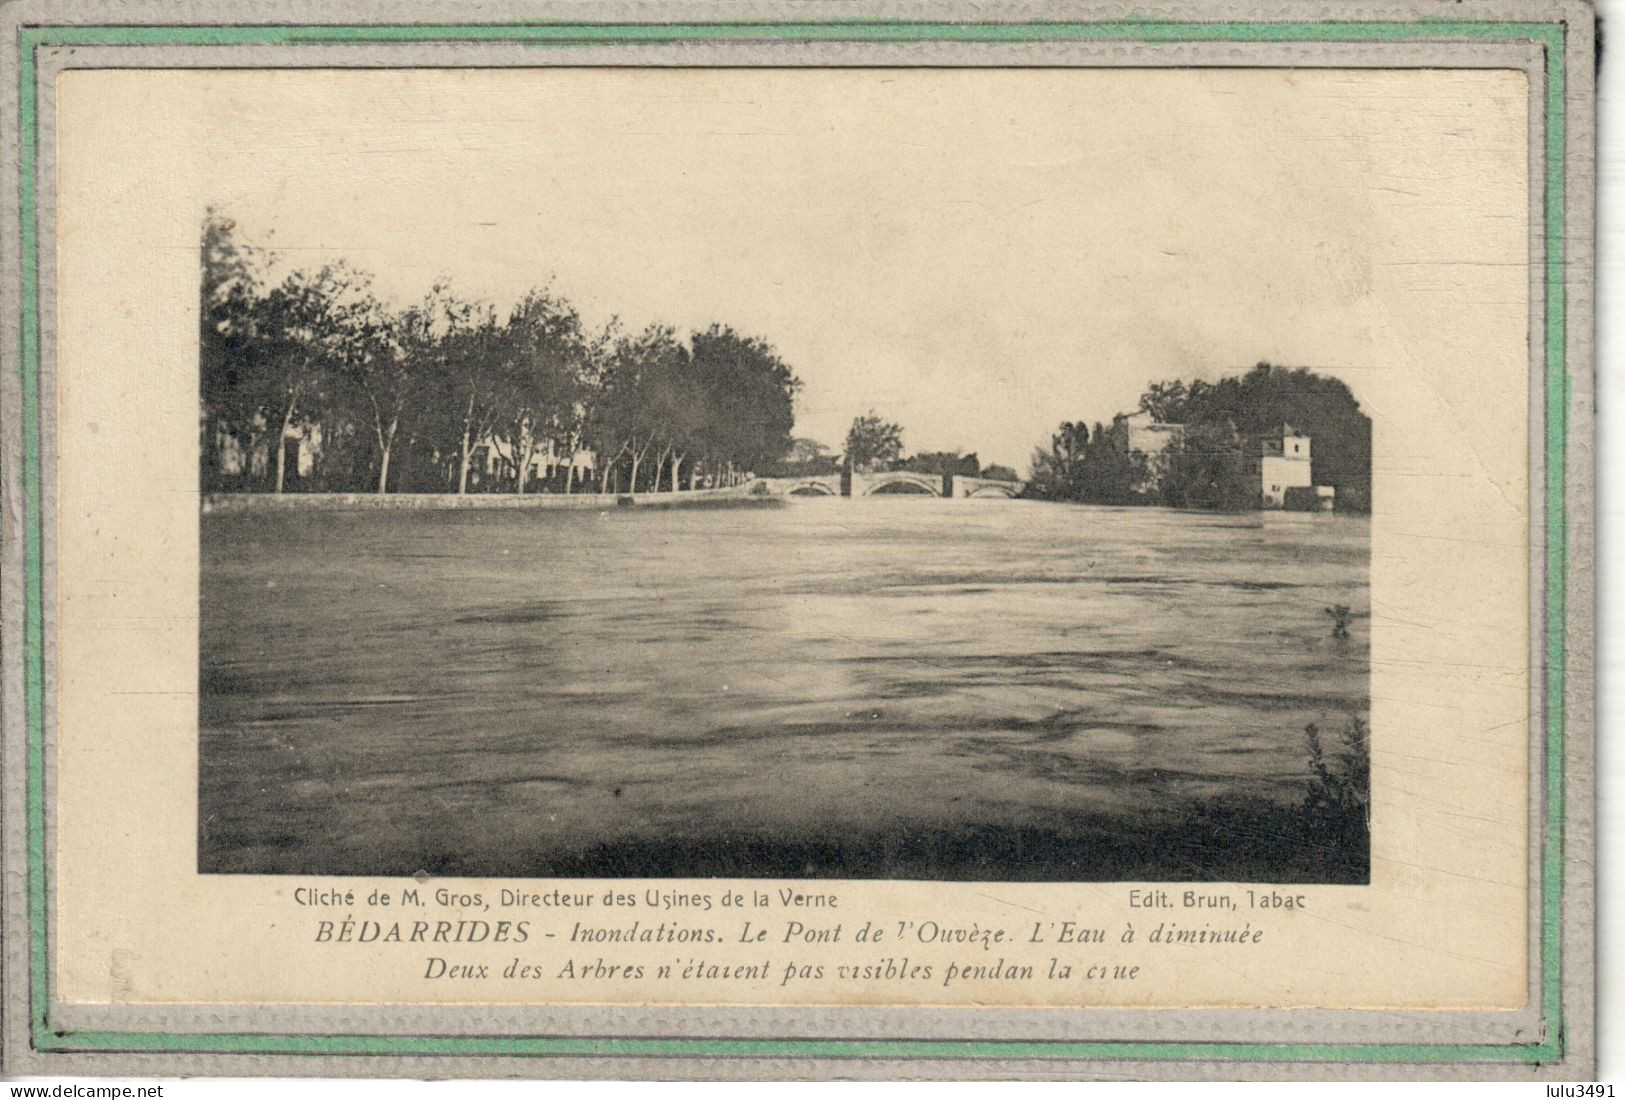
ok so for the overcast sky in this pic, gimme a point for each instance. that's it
(977, 255)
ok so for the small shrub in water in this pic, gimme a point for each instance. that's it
(1341, 615)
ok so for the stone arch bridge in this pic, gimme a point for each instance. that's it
(891, 481)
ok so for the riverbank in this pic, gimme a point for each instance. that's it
(237, 503)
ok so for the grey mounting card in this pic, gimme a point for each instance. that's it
(776, 540)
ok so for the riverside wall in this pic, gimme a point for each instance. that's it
(227, 503)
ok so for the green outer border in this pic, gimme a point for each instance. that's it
(1551, 36)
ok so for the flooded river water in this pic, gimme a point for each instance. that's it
(879, 686)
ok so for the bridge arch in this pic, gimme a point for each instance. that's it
(804, 485)
(984, 487)
(918, 483)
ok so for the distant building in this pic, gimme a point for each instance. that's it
(301, 446)
(1285, 472)
(496, 458)
(1139, 434)
(1282, 463)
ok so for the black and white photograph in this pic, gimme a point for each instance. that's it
(767, 475)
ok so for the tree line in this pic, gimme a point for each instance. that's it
(448, 394)
(1088, 468)
(1210, 461)
(875, 445)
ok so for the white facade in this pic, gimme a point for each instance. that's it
(1283, 465)
(1140, 434)
(1143, 435)
(301, 444)
(543, 461)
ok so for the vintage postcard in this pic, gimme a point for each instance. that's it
(799, 540)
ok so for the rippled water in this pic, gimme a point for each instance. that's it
(865, 687)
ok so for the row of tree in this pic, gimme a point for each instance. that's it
(1210, 462)
(447, 394)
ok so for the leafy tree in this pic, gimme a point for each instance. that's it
(808, 451)
(996, 472)
(1209, 468)
(593, 369)
(546, 351)
(806, 458)
(682, 416)
(1267, 398)
(309, 323)
(469, 371)
(1165, 401)
(873, 443)
(1058, 472)
(1112, 475)
(1090, 468)
(946, 463)
(748, 394)
(231, 350)
(386, 369)
(635, 401)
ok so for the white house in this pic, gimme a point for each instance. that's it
(1283, 464)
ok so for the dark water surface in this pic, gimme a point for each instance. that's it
(904, 687)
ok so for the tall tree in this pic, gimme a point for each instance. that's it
(309, 326)
(471, 361)
(746, 400)
(873, 443)
(392, 367)
(230, 350)
(1165, 401)
(589, 384)
(1058, 471)
(632, 413)
(546, 353)
(1111, 475)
